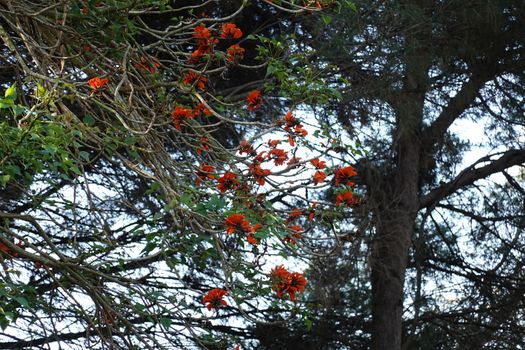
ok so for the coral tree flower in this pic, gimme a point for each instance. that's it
(254, 100)
(214, 299)
(230, 31)
(235, 53)
(179, 115)
(236, 223)
(319, 177)
(283, 281)
(347, 198)
(343, 176)
(318, 164)
(258, 173)
(205, 172)
(294, 127)
(191, 78)
(228, 182)
(278, 155)
(246, 147)
(97, 83)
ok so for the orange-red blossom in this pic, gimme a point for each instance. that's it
(286, 282)
(214, 299)
(97, 83)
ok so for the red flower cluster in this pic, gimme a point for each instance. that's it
(191, 78)
(258, 173)
(293, 127)
(319, 177)
(294, 214)
(318, 164)
(230, 30)
(347, 198)
(278, 155)
(214, 299)
(245, 147)
(204, 38)
(179, 115)
(235, 53)
(205, 172)
(283, 282)
(228, 182)
(254, 100)
(236, 223)
(97, 83)
(202, 109)
(343, 175)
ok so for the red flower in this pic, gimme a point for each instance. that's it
(179, 115)
(254, 100)
(251, 238)
(347, 198)
(245, 147)
(196, 55)
(192, 78)
(97, 83)
(279, 277)
(318, 164)
(273, 143)
(278, 155)
(319, 177)
(205, 171)
(230, 30)
(235, 53)
(258, 173)
(202, 109)
(201, 33)
(294, 214)
(294, 127)
(296, 284)
(282, 281)
(343, 175)
(228, 182)
(214, 299)
(236, 223)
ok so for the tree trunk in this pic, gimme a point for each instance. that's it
(389, 261)
(396, 202)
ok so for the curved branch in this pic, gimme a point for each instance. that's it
(472, 174)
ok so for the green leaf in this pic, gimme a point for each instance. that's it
(165, 322)
(350, 5)
(84, 155)
(22, 301)
(89, 120)
(17, 110)
(4, 179)
(10, 93)
(326, 19)
(6, 103)
(40, 90)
